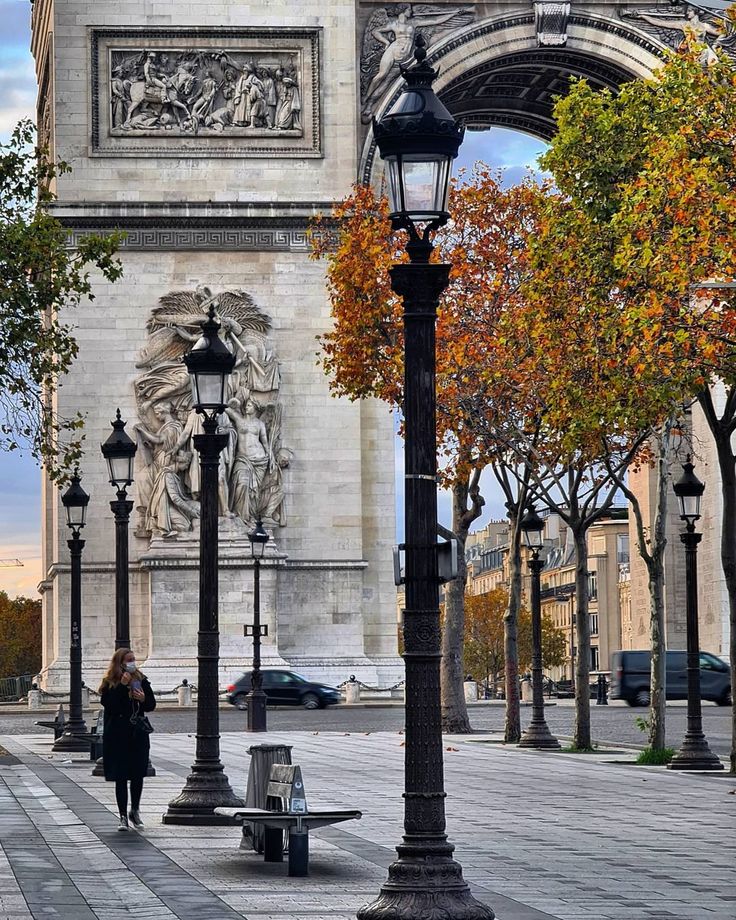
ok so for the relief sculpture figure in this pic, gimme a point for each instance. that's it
(388, 43)
(171, 511)
(697, 27)
(253, 460)
(250, 478)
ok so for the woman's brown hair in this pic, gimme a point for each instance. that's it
(115, 670)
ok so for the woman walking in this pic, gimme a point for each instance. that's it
(126, 695)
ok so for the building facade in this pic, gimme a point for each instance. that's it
(211, 134)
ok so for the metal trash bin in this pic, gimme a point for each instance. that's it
(262, 758)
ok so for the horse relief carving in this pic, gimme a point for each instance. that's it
(205, 92)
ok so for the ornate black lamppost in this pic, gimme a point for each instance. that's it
(538, 734)
(207, 787)
(119, 452)
(694, 753)
(75, 737)
(418, 139)
(256, 698)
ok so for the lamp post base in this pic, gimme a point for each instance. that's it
(256, 720)
(203, 792)
(425, 886)
(539, 737)
(73, 740)
(695, 755)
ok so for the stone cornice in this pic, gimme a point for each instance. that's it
(152, 225)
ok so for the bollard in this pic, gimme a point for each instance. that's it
(602, 694)
(470, 688)
(34, 699)
(85, 697)
(352, 690)
(184, 693)
(526, 689)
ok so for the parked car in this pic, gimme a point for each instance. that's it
(630, 672)
(284, 688)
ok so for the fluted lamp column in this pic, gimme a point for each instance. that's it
(75, 501)
(695, 754)
(418, 139)
(210, 364)
(256, 698)
(537, 734)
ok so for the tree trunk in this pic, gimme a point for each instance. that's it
(454, 709)
(658, 675)
(581, 736)
(512, 730)
(655, 571)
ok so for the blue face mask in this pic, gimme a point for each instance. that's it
(131, 667)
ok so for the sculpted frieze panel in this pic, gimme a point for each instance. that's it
(251, 466)
(227, 92)
(388, 41)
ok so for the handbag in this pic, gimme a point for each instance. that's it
(140, 724)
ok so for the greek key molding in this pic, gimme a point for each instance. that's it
(246, 236)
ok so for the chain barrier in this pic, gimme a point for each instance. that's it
(352, 680)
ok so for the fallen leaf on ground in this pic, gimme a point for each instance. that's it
(452, 749)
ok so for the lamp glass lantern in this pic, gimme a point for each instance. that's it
(119, 452)
(75, 501)
(418, 139)
(258, 538)
(532, 526)
(689, 491)
(209, 364)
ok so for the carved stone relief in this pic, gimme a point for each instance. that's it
(550, 19)
(681, 25)
(252, 464)
(388, 42)
(207, 92)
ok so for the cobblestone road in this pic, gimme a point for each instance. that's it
(615, 724)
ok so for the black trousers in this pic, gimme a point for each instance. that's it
(121, 794)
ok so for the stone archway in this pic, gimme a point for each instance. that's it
(495, 73)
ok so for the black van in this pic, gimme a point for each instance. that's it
(630, 677)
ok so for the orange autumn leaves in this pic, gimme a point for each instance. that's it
(486, 245)
(569, 313)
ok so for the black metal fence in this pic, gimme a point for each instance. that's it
(13, 688)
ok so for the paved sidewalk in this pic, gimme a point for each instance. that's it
(540, 836)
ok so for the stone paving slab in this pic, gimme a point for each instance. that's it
(540, 836)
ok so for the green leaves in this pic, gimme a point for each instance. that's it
(41, 277)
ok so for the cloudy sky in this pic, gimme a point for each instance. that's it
(20, 506)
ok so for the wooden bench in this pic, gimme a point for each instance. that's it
(287, 811)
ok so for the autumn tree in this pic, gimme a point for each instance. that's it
(648, 181)
(486, 245)
(42, 274)
(484, 637)
(20, 636)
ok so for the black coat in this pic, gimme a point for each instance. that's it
(125, 753)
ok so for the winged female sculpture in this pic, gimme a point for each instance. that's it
(251, 483)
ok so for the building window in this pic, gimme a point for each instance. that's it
(594, 658)
(622, 548)
(594, 624)
(592, 584)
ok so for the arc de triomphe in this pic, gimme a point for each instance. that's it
(211, 133)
